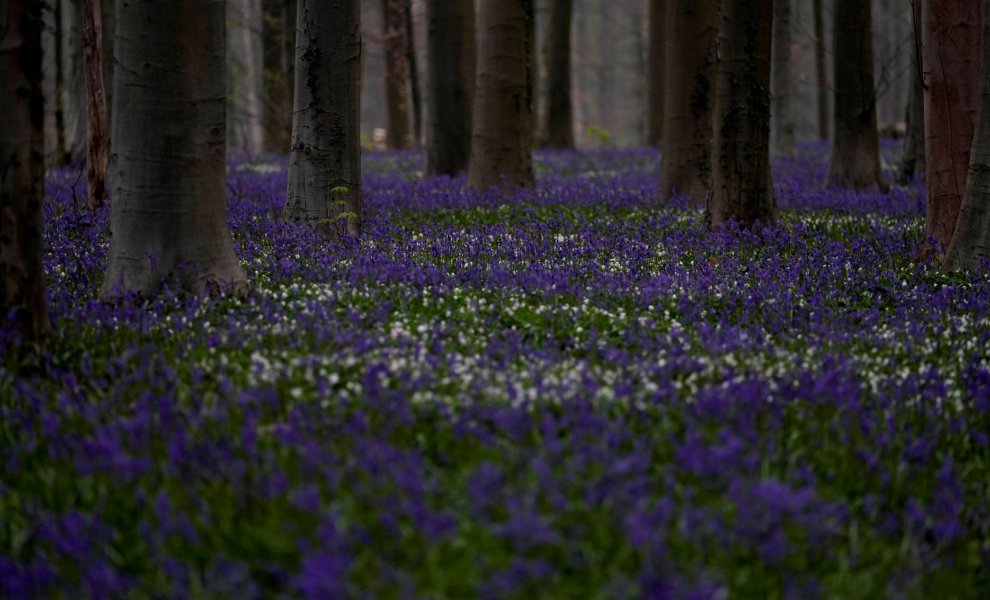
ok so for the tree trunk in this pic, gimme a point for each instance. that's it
(108, 10)
(61, 147)
(741, 187)
(168, 215)
(560, 114)
(277, 87)
(913, 157)
(783, 81)
(970, 247)
(414, 95)
(689, 96)
(951, 59)
(325, 164)
(656, 73)
(820, 71)
(75, 104)
(502, 140)
(856, 151)
(22, 178)
(397, 123)
(451, 47)
(97, 156)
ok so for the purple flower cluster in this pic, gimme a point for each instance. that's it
(564, 392)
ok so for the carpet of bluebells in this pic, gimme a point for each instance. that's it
(570, 392)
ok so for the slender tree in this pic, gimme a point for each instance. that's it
(856, 151)
(62, 154)
(821, 72)
(168, 215)
(913, 157)
(970, 247)
(108, 10)
(397, 123)
(325, 163)
(413, 64)
(22, 168)
(502, 140)
(656, 72)
(451, 52)
(560, 113)
(277, 55)
(689, 96)
(951, 60)
(741, 187)
(780, 69)
(97, 156)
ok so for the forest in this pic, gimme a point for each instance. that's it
(669, 299)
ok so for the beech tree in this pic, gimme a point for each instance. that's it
(741, 188)
(821, 72)
(502, 137)
(413, 66)
(278, 38)
(451, 52)
(780, 69)
(97, 155)
(397, 124)
(168, 215)
(689, 96)
(856, 148)
(22, 167)
(560, 113)
(656, 72)
(325, 161)
(913, 156)
(970, 246)
(951, 60)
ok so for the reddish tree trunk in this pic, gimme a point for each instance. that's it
(97, 152)
(502, 112)
(951, 61)
(397, 134)
(22, 144)
(689, 96)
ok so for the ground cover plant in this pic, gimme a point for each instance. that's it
(564, 392)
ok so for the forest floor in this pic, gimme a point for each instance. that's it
(565, 392)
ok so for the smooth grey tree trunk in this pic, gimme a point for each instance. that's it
(277, 55)
(413, 66)
(451, 46)
(325, 162)
(970, 247)
(821, 72)
(502, 137)
(656, 72)
(168, 215)
(74, 89)
(913, 157)
(22, 146)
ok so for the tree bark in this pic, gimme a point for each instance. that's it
(501, 140)
(22, 168)
(61, 147)
(74, 90)
(656, 73)
(560, 113)
(411, 62)
(856, 151)
(108, 10)
(168, 216)
(913, 157)
(970, 247)
(741, 187)
(783, 126)
(397, 122)
(451, 48)
(97, 155)
(689, 96)
(821, 72)
(951, 59)
(325, 163)
(277, 87)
